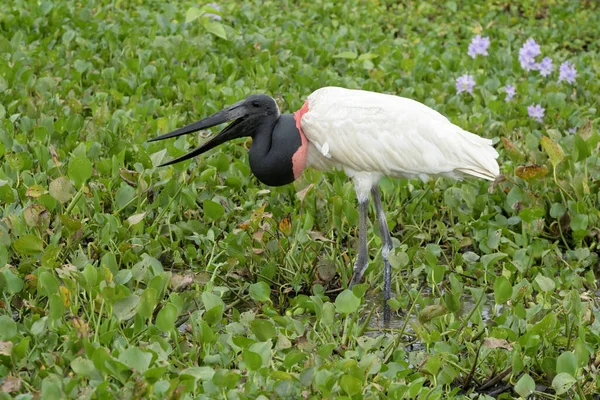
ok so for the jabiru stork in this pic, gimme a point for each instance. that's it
(367, 135)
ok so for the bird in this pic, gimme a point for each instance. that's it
(368, 135)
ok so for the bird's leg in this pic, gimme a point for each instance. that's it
(385, 251)
(362, 260)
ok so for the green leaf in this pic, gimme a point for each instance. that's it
(148, 302)
(432, 311)
(490, 259)
(525, 386)
(192, 14)
(83, 366)
(351, 385)
(61, 189)
(563, 382)
(567, 362)
(90, 273)
(8, 328)
(346, 302)
(557, 210)
(203, 373)
(126, 307)
(260, 292)
(348, 55)
(47, 283)
(579, 222)
(502, 290)
(136, 359)
(124, 195)
(214, 308)
(216, 29)
(165, 320)
(546, 284)
(29, 245)
(72, 224)
(252, 360)
(80, 170)
(554, 151)
(582, 149)
(212, 211)
(14, 284)
(262, 329)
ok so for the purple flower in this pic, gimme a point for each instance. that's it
(465, 83)
(214, 16)
(545, 66)
(567, 72)
(510, 92)
(573, 130)
(479, 45)
(527, 54)
(536, 112)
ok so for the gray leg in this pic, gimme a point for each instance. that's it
(385, 251)
(362, 261)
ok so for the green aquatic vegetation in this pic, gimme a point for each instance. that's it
(121, 279)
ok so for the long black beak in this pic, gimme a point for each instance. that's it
(236, 111)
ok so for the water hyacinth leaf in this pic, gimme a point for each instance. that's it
(61, 189)
(489, 260)
(35, 191)
(260, 292)
(262, 329)
(83, 367)
(14, 284)
(531, 172)
(136, 218)
(165, 320)
(225, 379)
(71, 224)
(29, 245)
(347, 302)
(525, 386)
(563, 382)
(36, 215)
(557, 210)
(148, 301)
(554, 151)
(124, 196)
(126, 307)
(351, 385)
(567, 362)
(579, 222)
(192, 14)
(216, 29)
(431, 312)
(502, 290)
(581, 149)
(252, 360)
(203, 373)
(348, 55)
(214, 308)
(80, 170)
(546, 284)
(8, 328)
(212, 211)
(136, 359)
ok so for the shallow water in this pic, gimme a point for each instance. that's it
(398, 320)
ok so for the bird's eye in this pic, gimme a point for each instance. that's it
(255, 103)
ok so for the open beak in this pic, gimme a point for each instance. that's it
(234, 112)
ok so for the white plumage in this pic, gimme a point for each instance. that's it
(371, 134)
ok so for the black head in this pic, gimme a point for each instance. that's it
(247, 116)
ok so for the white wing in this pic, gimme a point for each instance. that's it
(371, 132)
